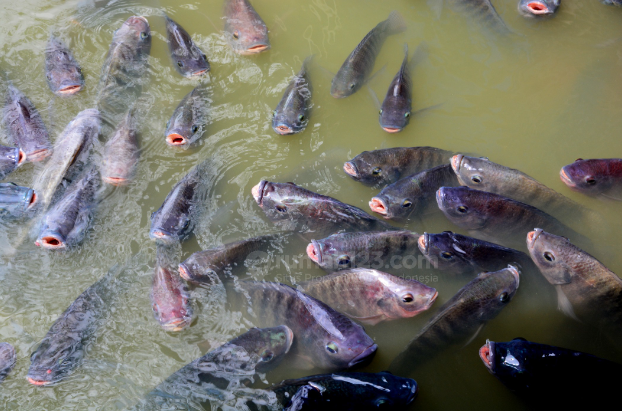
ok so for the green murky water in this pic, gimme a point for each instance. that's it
(534, 102)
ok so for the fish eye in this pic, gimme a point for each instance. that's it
(408, 298)
(446, 255)
(301, 118)
(143, 35)
(407, 203)
(195, 128)
(280, 208)
(548, 256)
(476, 179)
(463, 209)
(376, 171)
(332, 348)
(344, 260)
(186, 224)
(503, 297)
(236, 34)
(407, 114)
(351, 86)
(589, 180)
(49, 76)
(180, 63)
(267, 355)
(383, 403)
(380, 112)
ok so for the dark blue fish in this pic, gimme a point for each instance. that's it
(292, 113)
(63, 73)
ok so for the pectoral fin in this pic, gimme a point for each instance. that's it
(475, 335)
(564, 305)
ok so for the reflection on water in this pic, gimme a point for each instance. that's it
(534, 101)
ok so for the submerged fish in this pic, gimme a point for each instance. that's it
(549, 375)
(66, 222)
(538, 8)
(377, 249)
(234, 363)
(414, 195)
(189, 120)
(595, 177)
(63, 73)
(325, 338)
(386, 166)
(481, 10)
(170, 299)
(460, 318)
(25, 127)
(15, 200)
(121, 153)
(371, 296)
(9, 158)
(360, 63)
(299, 209)
(187, 58)
(586, 289)
(355, 391)
(459, 254)
(292, 113)
(178, 214)
(7, 360)
(208, 265)
(612, 2)
(245, 31)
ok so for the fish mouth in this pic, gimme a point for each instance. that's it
(440, 197)
(176, 140)
(431, 300)
(199, 72)
(51, 242)
(32, 201)
(456, 162)
(424, 242)
(350, 169)
(532, 236)
(33, 157)
(161, 235)
(258, 48)
(314, 251)
(487, 353)
(378, 205)
(282, 129)
(566, 179)
(515, 273)
(537, 8)
(392, 130)
(364, 357)
(175, 325)
(115, 181)
(70, 89)
(39, 383)
(183, 272)
(258, 190)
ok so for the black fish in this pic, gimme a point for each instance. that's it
(121, 153)
(187, 58)
(292, 113)
(189, 120)
(63, 73)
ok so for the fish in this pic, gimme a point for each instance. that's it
(385, 166)
(458, 254)
(69, 339)
(234, 363)
(170, 299)
(189, 120)
(178, 214)
(208, 265)
(245, 31)
(535, 371)
(7, 360)
(481, 10)
(187, 57)
(298, 209)
(587, 290)
(371, 296)
(482, 174)
(357, 68)
(325, 338)
(460, 318)
(62, 71)
(375, 249)
(600, 177)
(16, 201)
(292, 113)
(538, 8)
(65, 223)
(496, 217)
(121, 153)
(612, 2)
(9, 157)
(354, 391)
(25, 127)
(414, 195)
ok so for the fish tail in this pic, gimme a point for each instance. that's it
(394, 24)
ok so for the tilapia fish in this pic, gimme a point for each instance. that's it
(386, 166)
(496, 217)
(586, 289)
(481, 10)
(376, 249)
(371, 296)
(121, 153)
(189, 120)
(358, 66)
(16, 201)
(595, 177)
(63, 73)
(325, 338)
(208, 378)
(292, 113)
(538, 8)
(178, 214)
(458, 254)
(65, 223)
(298, 209)
(414, 195)
(9, 157)
(245, 31)
(460, 318)
(208, 265)
(25, 127)
(170, 299)
(187, 58)
(7, 360)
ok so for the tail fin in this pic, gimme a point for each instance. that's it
(394, 24)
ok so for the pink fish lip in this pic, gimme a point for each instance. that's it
(456, 162)
(566, 179)
(314, 251)
(515, 273)
(140, 18)
(176, 324)
(431, 300)
(256, 49)
(283, 130)
(50, 242)
(69, 90)
(161, 236)
(364, 357)
(38, 383)
(183, 272)
(115, 181)
(176, 140)
(377, 205)
(199, 72)
(532, 236)
(392, 130)
(486, 353)
(33, 200)
(350, 169)
(33, 157)
(258, 191)
(538, 8)
(424, 242)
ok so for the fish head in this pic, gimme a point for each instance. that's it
(494, 290)
(399, 200)
(136, 33)
(371, 169)
(282, 201)
(405, 298)
(267, 346)
(7, 359)
(587, 176)
(477, 173)
(246, 35)
(202, 267)
(394, 115)
(170, 302)
(189, 59)
(54, 360)
(15, 200)
(462, 206)
(345, 83)
(509, 361)
(554, 255)
(332, 253)
(51, 239)
(168, 228)
(445, 252)
(351, 348)
(289, 120)
(187, 124)
(538, 8)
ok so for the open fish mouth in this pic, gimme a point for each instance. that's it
(32, 201)
(115, 181)
(257, 48)
(71, 89)
(350, 169)
(50, 242)
(515, 273)
(566, 179)
(486, 353)
(183, 272)
(314, 251)
(364, 357)
(392, 129)
(532, 236)
(456, 162)
(283, 129)
(258, 190)
(176, 140)
(538, 8)
(424, 242)
(162, 236)
(199, 72)
(176, 324)
(378, 205)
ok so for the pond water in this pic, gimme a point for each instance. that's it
(534, 101)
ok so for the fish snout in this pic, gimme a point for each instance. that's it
(199, 73)
(486, 353)
(51, 241)
(32, 199)
(365, 357)
(515, 272)
(257, 191)
(183, 272)
(176, 140)
(69, 89)
(176, 324)
(314, 251)
(37, 382)
(161, 236)
(424, 242)
(115, 181)
(563, 175)
(392, 130)
(537, 8)
(379, 206)
(532, 236)
(456, 162)
(350, 169)
(283, 129)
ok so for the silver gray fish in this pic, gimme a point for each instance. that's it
(189, 120)
(7, 360)
(9, 157)
(121, 153)
(245, 31)
(187, 58)
(63, 73)
(15, 200)
(292, 113)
